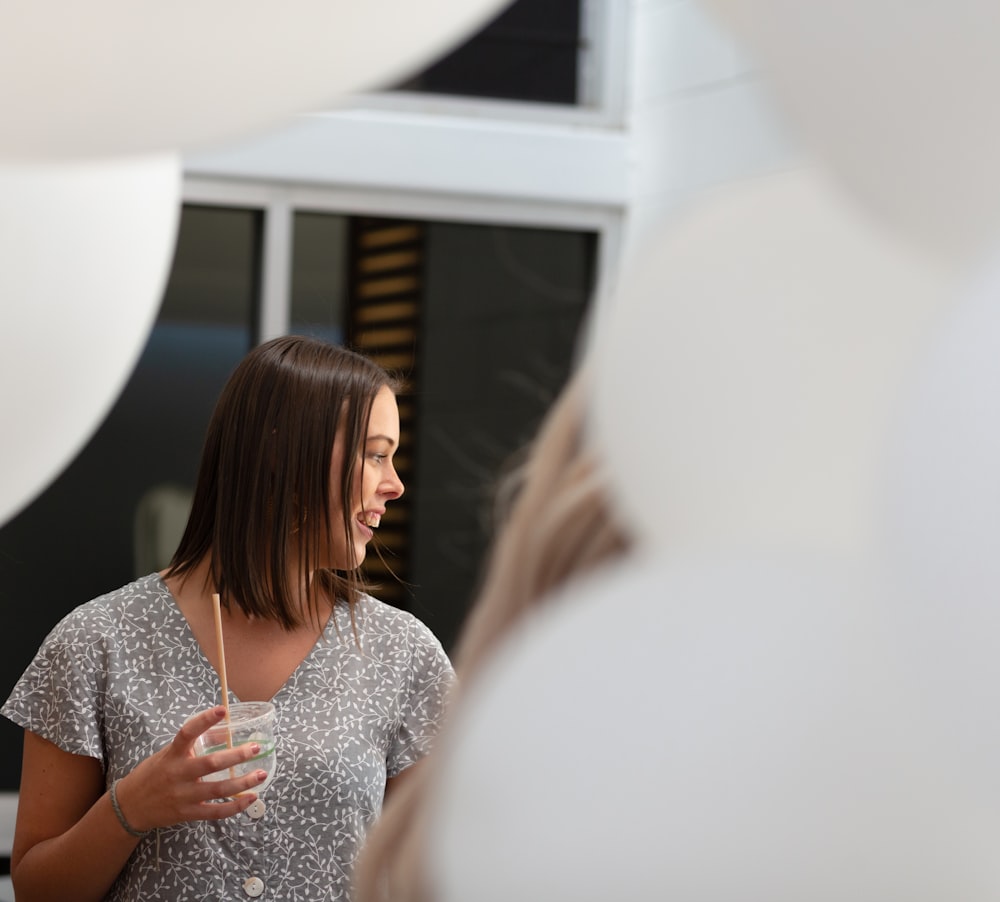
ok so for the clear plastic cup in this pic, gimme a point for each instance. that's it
(248, 722)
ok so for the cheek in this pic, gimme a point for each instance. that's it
(339, 504)
(360, 485)
(368, 486)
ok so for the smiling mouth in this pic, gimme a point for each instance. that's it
(371, 520)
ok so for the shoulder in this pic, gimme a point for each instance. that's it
(98, 618)
(422, 681)
(82, 651)
(376, 619)
(398, 638)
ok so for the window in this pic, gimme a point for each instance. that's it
(533, 50)
(481, 319)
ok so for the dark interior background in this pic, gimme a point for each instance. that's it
(500, 312)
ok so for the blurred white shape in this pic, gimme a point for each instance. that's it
(710, 730)
(942, 524)
(943, 470)
(898, 97)
(749, 366)
(86, 254)
(114, 76)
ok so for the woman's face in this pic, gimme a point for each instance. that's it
(375, 483)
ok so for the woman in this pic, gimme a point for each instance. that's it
(560, 524)
(295, 475)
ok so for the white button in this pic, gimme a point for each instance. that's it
(257, 809)
(253, 887)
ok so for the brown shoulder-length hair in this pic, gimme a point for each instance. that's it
(262, 502)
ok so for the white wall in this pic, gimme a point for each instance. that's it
(699, 113)
(684, 110)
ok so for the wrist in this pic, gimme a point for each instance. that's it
(116, 804)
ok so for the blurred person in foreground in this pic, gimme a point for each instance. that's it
(559, 525)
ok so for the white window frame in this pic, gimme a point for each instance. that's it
(443, 158)
(280, 201)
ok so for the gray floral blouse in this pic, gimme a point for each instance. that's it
(118, 676)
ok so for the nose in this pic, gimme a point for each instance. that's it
(392, 486)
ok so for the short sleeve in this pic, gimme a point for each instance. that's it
(59, 695)
(422, 708)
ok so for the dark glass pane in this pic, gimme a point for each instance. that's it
(319, 275)
(502, 313)
(78, 539)
(385, 293)
(529, 52)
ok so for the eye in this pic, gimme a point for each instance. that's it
(379, 457)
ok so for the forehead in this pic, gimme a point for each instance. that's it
(384, 419)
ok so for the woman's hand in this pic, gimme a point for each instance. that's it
(166, 788)
(68, 842)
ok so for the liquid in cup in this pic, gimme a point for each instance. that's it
(248, 722)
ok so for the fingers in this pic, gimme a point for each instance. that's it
(215, 762)
(194, 726)
(217, 811)
(228, 797)
(175, 784)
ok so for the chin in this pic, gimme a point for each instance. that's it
(344, 562)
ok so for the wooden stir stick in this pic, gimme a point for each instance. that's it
(220, 650)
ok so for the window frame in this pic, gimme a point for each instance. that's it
(432, 157)
(280, 201)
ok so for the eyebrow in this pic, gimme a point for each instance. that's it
(380, 438)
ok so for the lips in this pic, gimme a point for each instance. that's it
(371, 519)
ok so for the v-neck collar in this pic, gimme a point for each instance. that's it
(210, 672)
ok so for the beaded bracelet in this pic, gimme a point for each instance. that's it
(129, 829)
